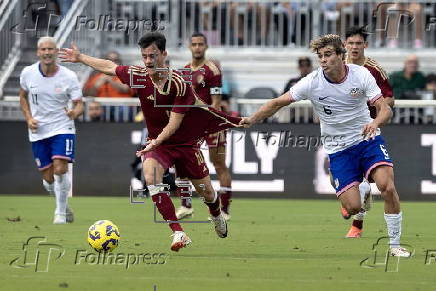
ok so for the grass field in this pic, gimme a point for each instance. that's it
(272, 245)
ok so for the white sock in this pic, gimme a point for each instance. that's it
(61, 189)
(49, 187)
(393, 222)
(364, 188)
(360, 215)
(225, 189)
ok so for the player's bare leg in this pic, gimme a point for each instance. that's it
(184, 192)
(153, 174)
(352, 203)
(345, 214)
(217, 156)
(384, 178)
(62, 185)
(204, 189)
(366, 199)
(48, 180)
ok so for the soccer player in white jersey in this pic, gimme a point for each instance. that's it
(339, 93)
(46, 89)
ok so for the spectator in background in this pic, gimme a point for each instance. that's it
(407, 82)
(429, 94)
(414, 12)
(430, 85)
(101, 85)
(305, 67)
(95, 111)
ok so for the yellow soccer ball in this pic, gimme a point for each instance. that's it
(103, 236)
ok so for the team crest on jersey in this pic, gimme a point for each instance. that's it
(58, 88)
(356, 92)
(200, 80)
(336, 183)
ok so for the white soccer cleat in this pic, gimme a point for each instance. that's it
(69, 217)
(59, 219)
(184, 212)
(180, 240)
(220, 225)
(226, 215)
(399, 252)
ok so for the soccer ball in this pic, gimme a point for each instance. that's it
(103, 236)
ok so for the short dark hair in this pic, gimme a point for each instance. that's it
(304, 61)
(153, 37)
(199, 34)
(357, 30)
(431, 78)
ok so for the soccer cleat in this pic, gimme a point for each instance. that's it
(69, 215)
(180, 240)
(184, 212)
(225, 215)
(59, 219)
(399, 252)
(354, 232)
(220, 225)
(345, 213)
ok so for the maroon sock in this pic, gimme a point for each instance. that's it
(358, 223)
(166, 209)
(214, 207)
(226, 198)
(185, 196)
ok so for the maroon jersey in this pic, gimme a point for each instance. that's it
(381, 79)
(206, 80)
(176, 96)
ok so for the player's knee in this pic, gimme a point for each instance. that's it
(388, 190)
(219, 165)
(353, 207)
(150, 179)
(59, 170)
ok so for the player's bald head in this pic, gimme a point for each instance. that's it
(46, 39)
(412, 58)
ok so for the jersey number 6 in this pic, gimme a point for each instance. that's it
(327, 110)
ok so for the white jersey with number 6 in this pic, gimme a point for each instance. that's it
(341, 106)
(48, 97)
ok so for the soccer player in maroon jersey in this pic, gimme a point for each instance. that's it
(355, 44)
(206, 79)
(176, 120)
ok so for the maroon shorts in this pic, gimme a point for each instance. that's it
(216, 139)
(188, 161)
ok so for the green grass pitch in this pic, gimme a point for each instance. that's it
(272, 245)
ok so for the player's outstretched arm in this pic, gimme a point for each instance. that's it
(73, 55)
(266, 110)
(25, 108)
